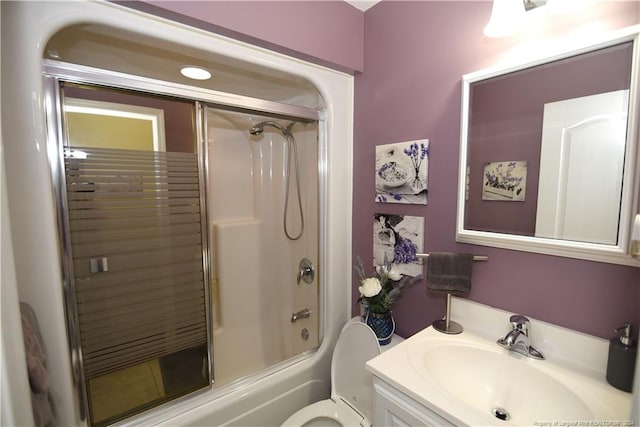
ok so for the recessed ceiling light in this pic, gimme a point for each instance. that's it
(195, 73)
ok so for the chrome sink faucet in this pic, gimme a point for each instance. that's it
(518, 338)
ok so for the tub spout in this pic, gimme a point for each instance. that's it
(302, 314)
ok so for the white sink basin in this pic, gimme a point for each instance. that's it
(470, 380)
(495, 382)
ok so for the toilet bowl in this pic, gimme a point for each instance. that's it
(351, 383)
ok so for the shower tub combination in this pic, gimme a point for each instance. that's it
(236, 180)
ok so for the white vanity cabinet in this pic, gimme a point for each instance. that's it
(436, 379)
(392, 408)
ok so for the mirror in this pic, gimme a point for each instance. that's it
(549, 153)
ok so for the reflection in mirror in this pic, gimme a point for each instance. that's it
(548, 153)
(581, 166)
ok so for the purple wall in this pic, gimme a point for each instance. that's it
(329, 33)
(415, 55)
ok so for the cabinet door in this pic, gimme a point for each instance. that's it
(393, 409)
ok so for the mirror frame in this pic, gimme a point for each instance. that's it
(615, 254)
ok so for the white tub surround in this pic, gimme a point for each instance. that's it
(440, 379)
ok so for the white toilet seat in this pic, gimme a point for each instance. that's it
(351, 384)
(325, 413)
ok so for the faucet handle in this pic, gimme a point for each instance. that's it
(518, 321)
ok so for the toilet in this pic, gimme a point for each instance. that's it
(351, 383)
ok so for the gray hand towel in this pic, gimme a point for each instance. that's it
(449, 272)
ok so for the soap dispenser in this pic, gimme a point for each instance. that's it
(622, 359)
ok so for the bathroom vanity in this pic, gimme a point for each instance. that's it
(391, 407)
(435, 379)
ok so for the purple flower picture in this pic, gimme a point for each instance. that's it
(401, 172)
(396, 240)
(506, 181)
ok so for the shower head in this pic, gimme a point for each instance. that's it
(291, 151)
(259, 128)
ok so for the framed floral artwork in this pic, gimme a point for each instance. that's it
(402, 171)
(504, 181)
(397, 239)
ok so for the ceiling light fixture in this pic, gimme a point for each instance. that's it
(507, 16)
(196, 73)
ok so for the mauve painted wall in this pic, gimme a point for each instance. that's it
(415, 55)
(327, 32)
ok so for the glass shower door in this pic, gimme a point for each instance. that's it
(163, 278)
(134, 216)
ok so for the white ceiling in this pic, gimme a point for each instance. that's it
(363, 4)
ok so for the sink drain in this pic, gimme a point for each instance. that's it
(500, 413)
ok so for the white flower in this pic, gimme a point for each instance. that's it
(391, 272)
(370, 287)
(394, 274)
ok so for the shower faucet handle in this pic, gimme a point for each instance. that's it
(306, 271)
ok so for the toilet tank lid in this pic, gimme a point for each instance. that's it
(350, 380)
